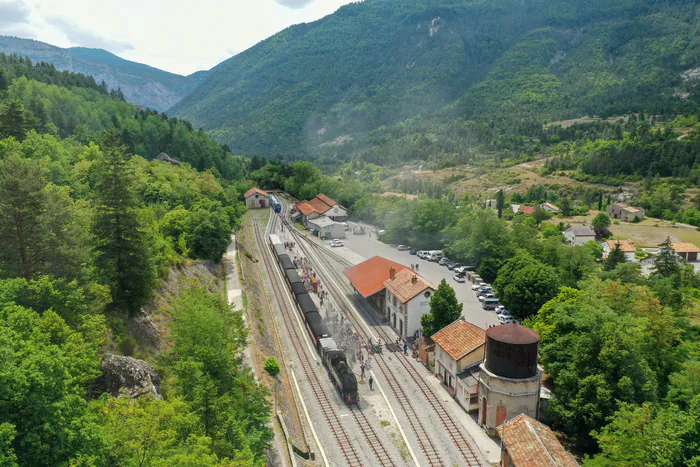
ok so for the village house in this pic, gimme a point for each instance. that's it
(627, 247)
(329, 208)
(304, 212)
(255, 198)
(525, 442)
(528, 210)
(368, 277)
(579, 235)
(624, 212)
(459, 349)
(326, 228)
(491, 203)
(549, 207)
(686, 251)
(407, 300)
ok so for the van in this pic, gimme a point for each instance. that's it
(435, 255)
(489, 303)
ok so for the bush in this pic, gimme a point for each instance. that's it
(272, 366)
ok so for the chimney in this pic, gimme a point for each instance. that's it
(414, 279)
(392, 272)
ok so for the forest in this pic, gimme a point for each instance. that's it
(90, 227)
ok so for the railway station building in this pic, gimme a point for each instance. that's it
(368, 277)
(407, 300)
(326, 228)
(255, 198)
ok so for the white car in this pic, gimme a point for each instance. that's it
(459, 278)
(404, 248)
(485, 296)
(460, 269)
(335, 243)
(506, 319)
(479, 285)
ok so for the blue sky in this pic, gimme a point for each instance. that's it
(181, 36)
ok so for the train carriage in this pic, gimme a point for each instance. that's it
(316, 326)
(306, 304)
(279, 249)
(298, 288)
(286, 263)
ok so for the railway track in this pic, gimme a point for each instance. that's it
(452, 428)
(345, 441)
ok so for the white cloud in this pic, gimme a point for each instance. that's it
(294, 3)
(175, 35)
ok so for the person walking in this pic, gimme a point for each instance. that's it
(405, 348)
(371, 382)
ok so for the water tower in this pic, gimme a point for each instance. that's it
(509, 380)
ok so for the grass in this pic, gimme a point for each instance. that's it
(646, 234)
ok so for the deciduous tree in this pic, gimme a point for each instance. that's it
(444, 309)
(524, 285)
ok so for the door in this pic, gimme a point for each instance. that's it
(262, 203)
(501, 413)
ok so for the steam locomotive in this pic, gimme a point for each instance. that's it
(333, 358)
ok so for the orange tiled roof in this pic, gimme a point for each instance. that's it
(319, 205)
(254, 190)
(625, 245)
(459, 338)
(685, 247)
(533, 444)
(305, 208)
(368, 277)
(329, 201)
(405, 287)
(526, 209)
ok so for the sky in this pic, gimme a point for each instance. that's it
(179, 36)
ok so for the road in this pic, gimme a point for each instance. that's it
(360, 247)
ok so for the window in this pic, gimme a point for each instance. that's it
(427, 294)
(395, 303)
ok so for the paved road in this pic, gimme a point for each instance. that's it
(358, 247)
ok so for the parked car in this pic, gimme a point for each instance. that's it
(453, 265)
(460, 269)
(444, 261)
(459, 278)
(486, 295)
(489, 303)
(381, 232)
(435, 255)
(479, 285)
(347, 227)
(335, 243)
(485, 291)
(413, 252)
(506, 319)
(404, 248)
(421, 254)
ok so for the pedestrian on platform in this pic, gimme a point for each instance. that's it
(405, 349)
(371, 382)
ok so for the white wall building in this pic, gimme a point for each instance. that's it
(326, 227)
(627, 246)
(407, 299)
(579, 235)
(459, 348)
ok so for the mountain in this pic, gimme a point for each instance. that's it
(141, 84)
(379, 73)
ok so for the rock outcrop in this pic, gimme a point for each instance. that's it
(163, 157)
(135, 377)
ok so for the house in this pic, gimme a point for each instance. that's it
(491, 203)
(367, 278)
(304, 212)
(255, 198)
(528, 210)
(686, 251)
(525, 442)
(627, 246)
(326, 228)
(549, 207)
(329, 208)
(624, 212)
(459, 349)
(407, 299)
(579, 235)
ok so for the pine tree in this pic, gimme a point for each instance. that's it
(121, 253)
(4, 81)
(444, 309)
(615, 257)
(666, 262)
(12, 121)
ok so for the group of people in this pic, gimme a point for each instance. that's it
(414, 267)
(289, 245)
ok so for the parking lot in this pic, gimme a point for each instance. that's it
(358, 247)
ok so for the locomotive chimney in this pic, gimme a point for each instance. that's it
(392, 272)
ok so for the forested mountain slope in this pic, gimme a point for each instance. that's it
(141, 84)
(444, 67)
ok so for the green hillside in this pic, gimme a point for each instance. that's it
(141, 84)
(471, 71)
